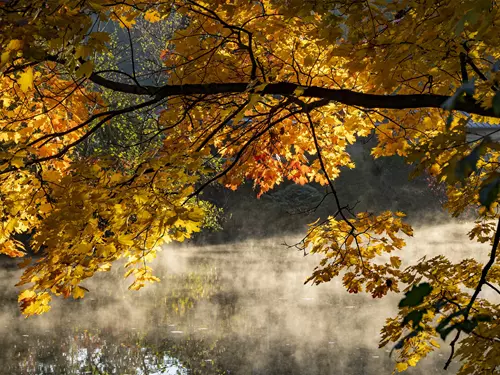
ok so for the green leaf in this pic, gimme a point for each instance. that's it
(496, 104)
(468, 326)
(489, 193)
(85, 69)
(446, 331)
(482, 318)
(440, 327)
(466, 88)
(459, 28)
(472, 16)
(415, 317)
(400, 343)
(468, 165)
(416, 295)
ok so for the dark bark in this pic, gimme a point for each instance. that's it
(348, 97)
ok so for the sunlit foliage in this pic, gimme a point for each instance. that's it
(101, 160)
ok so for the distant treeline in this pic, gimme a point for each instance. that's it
(374, 185)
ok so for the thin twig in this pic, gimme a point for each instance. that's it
(482, 281)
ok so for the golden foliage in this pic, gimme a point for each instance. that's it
(267, 91)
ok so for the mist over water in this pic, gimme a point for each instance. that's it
(240, 308)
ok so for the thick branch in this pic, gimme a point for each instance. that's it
(122, 87)
(482, 281)
(348, 97)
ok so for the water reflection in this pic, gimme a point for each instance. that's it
(218, 310)
(89, 353)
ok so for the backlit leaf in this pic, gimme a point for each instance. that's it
(25, 79)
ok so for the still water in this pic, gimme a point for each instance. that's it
(238, 308)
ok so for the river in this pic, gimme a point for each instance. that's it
(237, 308)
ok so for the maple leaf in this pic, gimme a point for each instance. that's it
(269, 91)
(85, 70)
(152, 16)
(25, 79)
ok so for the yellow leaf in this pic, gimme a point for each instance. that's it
(412, 361)
(115, 177)
(401, 366)
(4, 58)
(26, 261)
(17, 162)
(434, 343)
(83, 51)
(126, 239)
(96, 5)
(12, 249)
(25, 79)
(10, 225)
(129, 272)
(435, 169)
(195, 215)
(254, 98)
(100, 36)
(78, 293)
(309, 60)
(83, 248)
(299, 91)
(27, 294)
(141, 198)
(136, 285)
(395, 262)
(152, 16)
(51, 176)
(349, 240)
(260, 88)
(128, 21)
(15, 44)
(78, 271)
(104, 267)
(44, 208)
(85, 70)
(192, 226)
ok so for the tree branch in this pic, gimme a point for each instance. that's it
(108, 116)
(239, 155)
(482, 281)
(493, 287)
(348, 97)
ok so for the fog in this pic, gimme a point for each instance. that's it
(240, 308)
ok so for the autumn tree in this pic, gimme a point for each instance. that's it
(266, 91)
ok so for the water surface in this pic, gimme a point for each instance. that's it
(240, 308)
